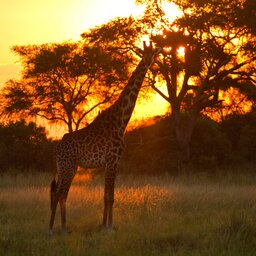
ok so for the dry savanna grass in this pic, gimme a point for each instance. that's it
(188, 215)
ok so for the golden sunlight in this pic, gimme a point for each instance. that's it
(101, 12)
(146, 109)
(181, 51)
(232, 97)
(171, 11)
(233, 102)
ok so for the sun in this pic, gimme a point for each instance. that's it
(171, 11)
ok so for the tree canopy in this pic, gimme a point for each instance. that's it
(63, 82)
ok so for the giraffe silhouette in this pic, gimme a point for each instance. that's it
(99, 144)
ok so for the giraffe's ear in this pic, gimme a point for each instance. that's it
(157, 50)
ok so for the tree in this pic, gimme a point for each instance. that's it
(219, 53)
(63, 82)
(25, 146)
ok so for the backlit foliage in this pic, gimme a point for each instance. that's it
(63, 83)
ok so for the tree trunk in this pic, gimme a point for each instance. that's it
(70, 127)
(184, 126)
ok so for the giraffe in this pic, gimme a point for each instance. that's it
(99, 144)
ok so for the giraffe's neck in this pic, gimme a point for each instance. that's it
(117, 116)
(125, 104)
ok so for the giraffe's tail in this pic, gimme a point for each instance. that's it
(53, 190)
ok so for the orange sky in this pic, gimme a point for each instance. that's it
(36, 22)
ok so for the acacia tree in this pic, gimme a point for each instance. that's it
(219, 53)
(63, 82)
(119, 38)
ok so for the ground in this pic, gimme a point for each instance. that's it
(164, 215)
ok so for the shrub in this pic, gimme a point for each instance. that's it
(241, 131)
(157, 156)
(25, 146)
(209, 145)
(247, 142)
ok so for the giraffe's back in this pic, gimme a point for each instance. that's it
(88, 147)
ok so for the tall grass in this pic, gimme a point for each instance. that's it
(186, 215)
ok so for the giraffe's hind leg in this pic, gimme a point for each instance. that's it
(60, 196)
(64, 229)
(52, 217)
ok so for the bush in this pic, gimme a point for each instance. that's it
(241, 131)
(157, 156)
(25, 146)
(247, 142)
(154, 149)
(151, 149)
(209, 145)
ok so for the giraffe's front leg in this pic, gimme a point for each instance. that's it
(65, 186)
(110, 177)
(54, 202)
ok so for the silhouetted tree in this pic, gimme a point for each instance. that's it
(219, 53)
(25, 146)
(63, 82)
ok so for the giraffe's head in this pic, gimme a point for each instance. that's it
(149, 53)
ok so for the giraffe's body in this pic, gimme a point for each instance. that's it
(100, 144)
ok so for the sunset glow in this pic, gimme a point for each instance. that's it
(31, 22)
(128, 127)
(171, 11)
(181, 51)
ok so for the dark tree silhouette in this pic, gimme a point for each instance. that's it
(63, 82)
(219, 53)
(25, 146)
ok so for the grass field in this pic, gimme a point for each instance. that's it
(188, 215)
